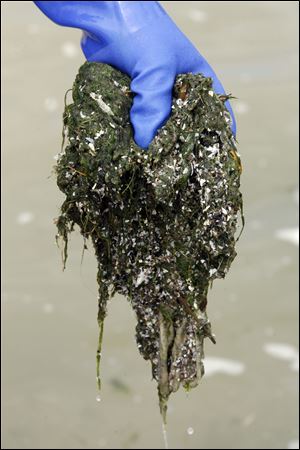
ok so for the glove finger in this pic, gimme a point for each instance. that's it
(152, 102)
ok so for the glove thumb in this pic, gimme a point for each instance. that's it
(152, 102)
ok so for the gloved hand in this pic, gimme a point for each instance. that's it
(140, 39)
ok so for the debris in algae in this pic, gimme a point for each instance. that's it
(162, 221)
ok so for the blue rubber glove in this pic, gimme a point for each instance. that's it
(140, 39)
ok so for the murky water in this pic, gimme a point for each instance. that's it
(248, 398)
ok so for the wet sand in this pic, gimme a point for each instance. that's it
(248, 398)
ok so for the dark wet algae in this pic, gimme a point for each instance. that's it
(162, 221)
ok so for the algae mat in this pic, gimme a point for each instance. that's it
(162, 220)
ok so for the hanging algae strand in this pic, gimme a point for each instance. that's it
(102, 301)
(162, 221)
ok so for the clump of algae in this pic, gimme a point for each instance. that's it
(162, 221)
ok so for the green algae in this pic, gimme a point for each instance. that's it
(162, 221)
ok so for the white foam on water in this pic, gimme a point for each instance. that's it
(281, 351)
(293, 444)
(190, 431)
(48, 308)
(196, 15)
(288, 234)
(214, 365)
(25, 217)
(51, 104)
(284, 352)
(241, 107)
(69, 49)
